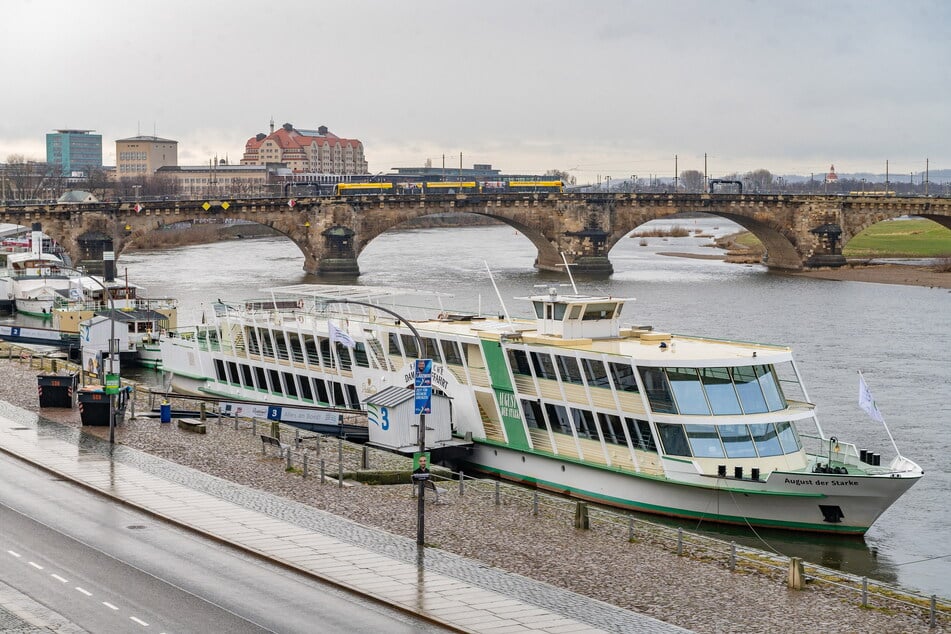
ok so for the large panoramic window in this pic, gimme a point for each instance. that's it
(720, 392)
(558, 418)
(704, 441)
(519, 362)
(623, 375)
(736, 441)
(544, 368)
(568, 369)
(688, 391)
(640, 432)
(748, 387)
(770, 384)
(658, 394)
(450, 352)
(532, 410)
(788, 437)
(595, 373)
(766, 440)
(673, 439)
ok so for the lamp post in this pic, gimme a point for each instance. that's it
(421, 435)
(112, 343)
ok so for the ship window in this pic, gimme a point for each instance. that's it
(313, 357)
(431, 350)
(220, 370)
(575, 312)
(544, 369)
(747, 386)
(409, 344)
(720, 392)
(394, 346)
(769, 382)
(568, 369)
(281, 345)
(297, 350)
(560, 311)
(623, 375)
(687, 390)
(673, 439)
(343, 353)
(558, 418)
(266, 348)
(233, 373)
(539, 309)
(737, 442)
(519, 362)
(290, 384)
(595, 373)
(305, 390)
(532, 411)
(612, 429)
(275, 381)
(704, 441)
(450, 352)
(584, 423)
(325, 356)
(598, 311)
(252, 337)
(766, 440)
(640, 432)
(360, 354)
(338, 394)
(321, 391)
(262, 379)
(247, 376)
(658, 395)
(788, 437)
(354, 400)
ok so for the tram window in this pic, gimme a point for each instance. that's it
(623, 375)
(233, 373)
(394, 345)
(290, 384)
(595, 373)
(736, 441)
(768, 381)
(532, 411)
(704, 441)
(220, 371)
(685, 384)
(305, 390)
(321, 391)
(720, 392)
(544, 369)
(409, 344)
(275, 381)
(748, 388)
(558, 418)
(519, 362)
(360, 354)
(247, 376)
(788, 437)
(450, 352)
(658, 394)
(568, 369)
(262, 379)
(673, 439)
(766, 439)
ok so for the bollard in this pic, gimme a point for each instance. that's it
(235, 422)
(254, 427)
(581, 516)
(630, 529)
(462, 482)
(305, 464)
(340, 462)
(680, 542)
(275, 430)
(365, 458)
(498, 497)
(263, 450)
(535, 503)
(321, 470)
(732, 556)
(796, 579)
(319, 439)
(201, 411)
(933, 622)
(297, 437)
(287, 453)
(864, 592)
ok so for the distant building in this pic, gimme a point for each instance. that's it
(214, 180)
(313, 151)
(142, 156)
(832, 177)
(74, 153)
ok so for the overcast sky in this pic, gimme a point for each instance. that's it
(608, 88)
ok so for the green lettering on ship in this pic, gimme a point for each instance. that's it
(504, 395)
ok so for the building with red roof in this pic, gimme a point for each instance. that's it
(313, 151)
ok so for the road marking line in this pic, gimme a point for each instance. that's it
(58, 578)
(139, 621)
(35, 565)
(109, 605)
(14, 554)
(86, 592)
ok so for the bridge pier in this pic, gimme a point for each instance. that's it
(591, 265)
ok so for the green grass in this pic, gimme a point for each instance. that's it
(912, 238)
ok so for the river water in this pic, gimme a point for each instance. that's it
(898, 336)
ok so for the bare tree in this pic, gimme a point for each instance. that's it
(561, 175)
(691, 180)
(27, 178)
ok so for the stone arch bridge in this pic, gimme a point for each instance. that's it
(798, 230)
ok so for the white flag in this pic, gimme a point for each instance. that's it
(867, 403)
(339, 336)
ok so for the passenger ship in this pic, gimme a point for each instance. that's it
(569, 401)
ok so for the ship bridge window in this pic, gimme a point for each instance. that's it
(558, 418)
(766, 439)
(569, 370)
(539, 309)
(673, 439)
(704, 441)
(599, 311)
(720, 392)
(749, 389)
(685, 384)
(558, 311)
(519, 362)
(450, 351)
(658, 394)
(575, 313)
(623, 375)
(544, 368)
(737, 442)
(595, 373)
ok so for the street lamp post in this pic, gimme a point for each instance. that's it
(421, 435)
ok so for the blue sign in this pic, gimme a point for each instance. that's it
(424, 386)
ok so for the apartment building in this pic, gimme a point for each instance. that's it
(142, 156)
(314, 151)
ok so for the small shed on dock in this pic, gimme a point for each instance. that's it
(394, 424)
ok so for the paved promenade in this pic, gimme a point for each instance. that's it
(461, 594)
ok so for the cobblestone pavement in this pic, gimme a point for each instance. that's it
(696, 593)
(21, 615)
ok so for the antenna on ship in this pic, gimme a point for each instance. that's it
(568, 270)
(497, 293)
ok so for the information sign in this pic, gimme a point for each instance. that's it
(424, 386)
(112, 384)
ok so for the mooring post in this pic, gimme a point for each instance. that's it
(365, 458)
(864, 592)
(630, 529)
(535, 503)
(732, 556)
(498, 496)
(321, 470)
(305, 464)
(201, 411)
(796, 579)
(581, 516)
(462, 482)
(680, 542)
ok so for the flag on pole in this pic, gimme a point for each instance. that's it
(867, 403)
(339, 336)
